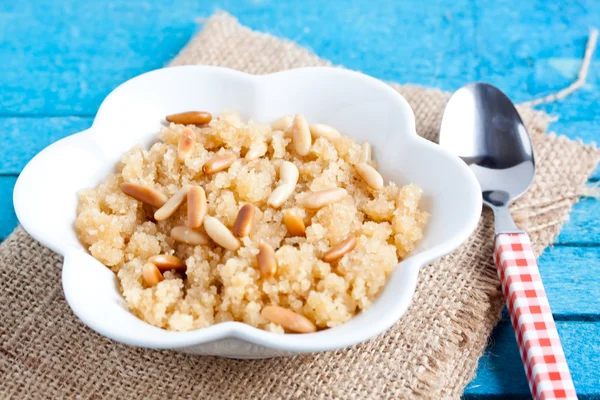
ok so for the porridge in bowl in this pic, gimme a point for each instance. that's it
(287, 227)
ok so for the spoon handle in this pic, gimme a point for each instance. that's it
(542, 354)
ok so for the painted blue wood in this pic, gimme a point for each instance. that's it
(571, 277)
(58, 60)
(586, 130)
(501, 373)
(535, 47)
(77, 52)
(583, 226)
(8, 219)
(24, 137)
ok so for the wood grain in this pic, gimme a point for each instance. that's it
(24, 137)
(501, 375)
(59, 59)
(8, 219)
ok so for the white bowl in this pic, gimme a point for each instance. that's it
(364, 108)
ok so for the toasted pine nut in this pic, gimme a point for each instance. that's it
(341, 248)
(370, 175)
(220, 234)
(219, 163)
(322, 130)
(172, 204)
(288, 319)
(187, 140)
(322, 198)
(281, 123)
(244, 220)
(144, 193)
(189, 236)
(266, 260)
(288, 172)
(190, 118)
(151, 275)
(294, 223)
(167, 261)
(365, 152)
(197, 207)
(300, 135)
(280, 195)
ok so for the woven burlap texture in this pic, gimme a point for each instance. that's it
(432, 352)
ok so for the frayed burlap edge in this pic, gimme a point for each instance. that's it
(431, 352)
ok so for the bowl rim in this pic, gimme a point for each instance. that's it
(289, 342)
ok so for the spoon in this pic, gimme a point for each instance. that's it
(482, 126)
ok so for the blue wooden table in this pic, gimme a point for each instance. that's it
(60, 58)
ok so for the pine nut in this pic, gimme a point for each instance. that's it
(281, 123)
(280, 195)
(167, 261)
(244, 220)
(189, 236)
(288, 172)
(220, 234)
(300, 135)
(190, 118)
(365, 152)
(370, 175)
(172, 204)
(294, 223)
(288, 319)
(266, 260)
(151, 275)
(322, 198)
(219, 163)
(144, 194)
(187, 140)
(197, 207)
(340, 249)
(325, 131)
(255, 152)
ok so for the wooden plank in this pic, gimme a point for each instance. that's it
(535, 48)
(585, 130)
(8, 219)
(500, 373)
(583, 227)
(84, 50)
(24, 137)
(571, 277)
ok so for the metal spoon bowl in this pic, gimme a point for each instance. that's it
(482, 126)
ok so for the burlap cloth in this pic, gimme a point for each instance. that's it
(45, 352)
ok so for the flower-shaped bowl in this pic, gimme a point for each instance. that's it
(362, 107)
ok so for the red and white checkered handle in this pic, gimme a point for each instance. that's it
(542, 354)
